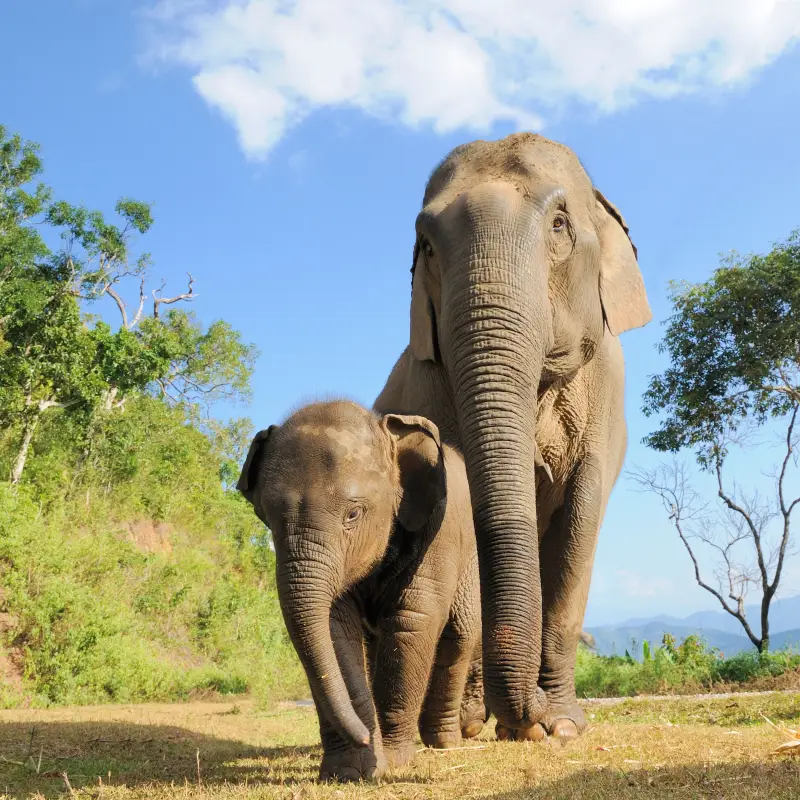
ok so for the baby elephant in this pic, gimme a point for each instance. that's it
(377, 575)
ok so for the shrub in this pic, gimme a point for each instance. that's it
(688, 667)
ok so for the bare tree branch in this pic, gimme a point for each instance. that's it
(111, 292)
(187, 295)
(788, 390)
(142, 298)
(44, 405)
(786, 509)
(742, 520)
(671, 485)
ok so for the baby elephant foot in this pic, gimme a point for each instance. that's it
(400, 754)
(352, 765)
(536, 733)
(441, 740)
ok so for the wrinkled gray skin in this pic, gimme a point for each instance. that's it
(376, 553)
(524, 276)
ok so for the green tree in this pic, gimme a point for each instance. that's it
(46, 353)
(53, 355)
(733, 344)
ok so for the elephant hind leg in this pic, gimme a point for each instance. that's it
(440, 720)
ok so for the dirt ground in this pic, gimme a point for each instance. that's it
(665, 748)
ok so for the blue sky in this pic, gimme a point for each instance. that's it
(286, 155)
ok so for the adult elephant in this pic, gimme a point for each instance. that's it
(523, 277)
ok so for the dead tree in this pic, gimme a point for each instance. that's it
(749, 535)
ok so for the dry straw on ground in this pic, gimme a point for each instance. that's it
(683, 748)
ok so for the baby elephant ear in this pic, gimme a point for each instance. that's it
(248, 480)
(419, 457)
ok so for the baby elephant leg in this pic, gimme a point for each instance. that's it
(404, 655)
(341, 759)
(440, 721)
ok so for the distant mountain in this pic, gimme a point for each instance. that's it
(785, 639)
(718, 629)
(616, 640)
(784, 615)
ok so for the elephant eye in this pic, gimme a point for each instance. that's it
(353, 515)
(426, 247)
(559, 223)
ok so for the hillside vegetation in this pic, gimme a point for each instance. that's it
(129, 568)
(719, 629)
(138, 578)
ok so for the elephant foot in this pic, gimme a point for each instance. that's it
(566, 721)
(536, 733)
(441, 740)
(352, 765)
(472, 729)
(401, 754)
(473, 717)
(564, 729)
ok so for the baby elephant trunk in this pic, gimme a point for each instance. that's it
(306, 597)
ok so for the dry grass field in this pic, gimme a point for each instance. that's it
(676, 748)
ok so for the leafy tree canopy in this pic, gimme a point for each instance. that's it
(55, 355)
(734, 349)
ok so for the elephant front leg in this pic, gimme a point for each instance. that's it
(474, 711)
(567, 557)
(404, 660)
(341, 759)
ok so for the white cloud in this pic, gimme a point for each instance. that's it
(267, 64)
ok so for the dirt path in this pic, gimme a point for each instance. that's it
(643, 698)
(612, 701)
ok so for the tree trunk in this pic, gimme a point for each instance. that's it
(766, 602)
(764, 645)
(28, 429)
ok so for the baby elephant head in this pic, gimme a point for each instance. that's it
(332, 482)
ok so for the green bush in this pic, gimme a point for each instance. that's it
(753, 665)
(671, 668)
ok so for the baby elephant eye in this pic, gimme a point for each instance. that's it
(353, 515)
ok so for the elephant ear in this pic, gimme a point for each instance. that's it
(418, 454)
(622, 292)
(248, 479)
(423, 317)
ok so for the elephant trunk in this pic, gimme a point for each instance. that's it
(306, 590)
(497, 321)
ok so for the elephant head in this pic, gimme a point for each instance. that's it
(521, 267)
(332, 483)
